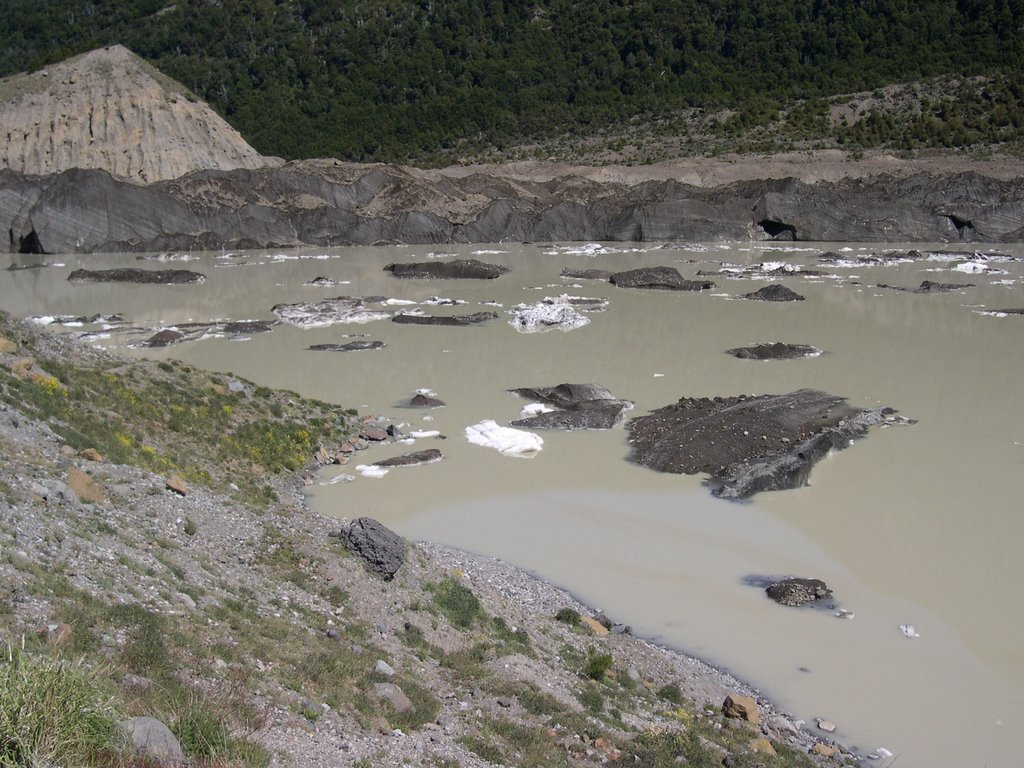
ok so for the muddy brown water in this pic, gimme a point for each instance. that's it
(916, 525)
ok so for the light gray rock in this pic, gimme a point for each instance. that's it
(152, 739)
(383, 668)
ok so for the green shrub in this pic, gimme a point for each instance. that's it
(596, 664)
(671, 694)
(52, 712)
(568, 616)
(457, 602)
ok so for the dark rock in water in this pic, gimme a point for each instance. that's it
(246, 327)
(580, 406)
(426, 401)
(458, 269)
(587, 274)
(352, 346)
(164, 338)
(594, 414)
(796, 592)
(393, 430)
(140, 276)
(774, 292)
(1016, 311)
(776, 350)
(382, 550)
(413, 459)
(660, 278)
(450, 320)
(892, 257)
(565, 395)
(750, 444)
(928, 286)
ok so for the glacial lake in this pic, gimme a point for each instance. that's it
(919, 525)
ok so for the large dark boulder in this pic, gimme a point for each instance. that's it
(412, 459)
(381, 549)
(659, 278)
(456, 269)
(748, 444)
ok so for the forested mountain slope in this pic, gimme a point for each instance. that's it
(400, 80)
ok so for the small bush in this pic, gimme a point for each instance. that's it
(596, 665)
(671, 693)
(592, 699)
(457, 602)
(568, 616)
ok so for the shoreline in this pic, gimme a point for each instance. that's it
(82, 528)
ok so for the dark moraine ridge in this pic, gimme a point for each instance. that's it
(325, 203)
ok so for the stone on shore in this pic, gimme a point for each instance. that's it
(176, 484)
(741, 707)
(381, 549)
(152, 740)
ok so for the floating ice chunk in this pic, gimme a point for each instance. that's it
(842, 613)
(978, 268)
(883, 752)
(43, 319)
(908, 630)
(425, 433)
(426, 392)
(535, 409)
(545, 315)
(505, 440)
(371, 470)
(398, 302)
(343, 478)
(659, 375)
(439, 301)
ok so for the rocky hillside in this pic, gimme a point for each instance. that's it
(162, 572)
(109, 109)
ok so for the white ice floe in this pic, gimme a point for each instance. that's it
(978, 268)
(426, 392)
(535, 409)
(371, 470)
(487, 252)
(908, 630)
(425, 433)
(344, 478)
(399, 302)
(343, 309)
(505, 440)
(438, 301)
(554, 312)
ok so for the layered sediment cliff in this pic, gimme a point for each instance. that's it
(109, 109)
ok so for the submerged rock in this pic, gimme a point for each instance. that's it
(139, 276)
(457, 269)
(748, 444)
(775, 350)
(928, 286)
(381, 549)
(352, 346)
(412, 459)
(246, 327)
(796, 592)
(773, 292)
(409, 318)
(659, 278)
(578, 406)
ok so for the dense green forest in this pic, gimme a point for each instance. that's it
(414, 80)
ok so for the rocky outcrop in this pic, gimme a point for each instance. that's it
(109, 109)
(748, 444)
(327, 203)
